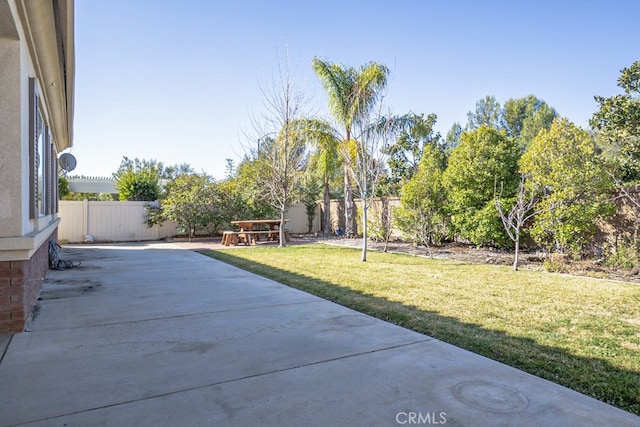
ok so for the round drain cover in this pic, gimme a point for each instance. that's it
(491, 397)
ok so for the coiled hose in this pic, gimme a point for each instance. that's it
(55, 262)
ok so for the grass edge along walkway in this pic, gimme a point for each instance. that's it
(581, 333)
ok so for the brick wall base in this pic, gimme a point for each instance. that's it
(20, 285)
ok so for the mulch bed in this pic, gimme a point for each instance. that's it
(473, 254)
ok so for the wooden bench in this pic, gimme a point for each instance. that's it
(254, 235)
(230, 237)
(249, 237)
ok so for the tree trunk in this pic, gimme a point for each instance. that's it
(385, 218)
(517, 252)
(326, 215)
(282, 243)
(364, 229)
(428, 246)
(348, 203)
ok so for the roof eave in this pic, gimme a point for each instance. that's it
(49, 32)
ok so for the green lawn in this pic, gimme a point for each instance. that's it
(579, 332)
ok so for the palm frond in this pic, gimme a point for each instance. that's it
(335, 79)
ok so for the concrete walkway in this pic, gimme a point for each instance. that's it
(155, 335)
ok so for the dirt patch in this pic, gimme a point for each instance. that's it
(473, 254)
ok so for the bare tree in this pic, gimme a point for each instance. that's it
(630, 194)
(520, 213)
(386, 221)
(368, 154)
(623, 190)
(281, 150)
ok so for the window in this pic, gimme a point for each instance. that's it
(41, 163)
(43, 167)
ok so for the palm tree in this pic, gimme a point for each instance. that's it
(352, 94)
(325, 161)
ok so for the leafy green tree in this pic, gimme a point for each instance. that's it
(486, 113)
(421, 215)
(106, 197)
(195, 202)
(187, 203)
(220, 205)
(452, 139)
(352, 93)
(525, 117)
(564, 162)
(82, 196)
(484, 158)
(229, 168)
(235, 204)
(63, 187)
(618, 120)
(139, 179)
(246, 186)
(310, 190)
(170, 173)
(406, 152)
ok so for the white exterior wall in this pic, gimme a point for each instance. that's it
(12, 142)
(20, 235)
(36, 56)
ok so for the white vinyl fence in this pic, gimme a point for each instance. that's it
(125, 222)
(108, 221)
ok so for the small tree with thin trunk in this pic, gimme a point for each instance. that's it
(281, 149)
(521, 212)
(368, 152)
(310, 191)
(380, 227)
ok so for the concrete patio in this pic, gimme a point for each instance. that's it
(154, 334)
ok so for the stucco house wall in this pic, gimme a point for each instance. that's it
(37, 65)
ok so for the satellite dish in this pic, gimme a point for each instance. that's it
(67, 162)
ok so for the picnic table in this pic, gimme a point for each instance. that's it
(252, 229)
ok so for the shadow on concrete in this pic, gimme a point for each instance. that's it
(594, 377)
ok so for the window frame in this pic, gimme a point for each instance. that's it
(43, 170)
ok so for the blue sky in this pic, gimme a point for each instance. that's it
(178, 81)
